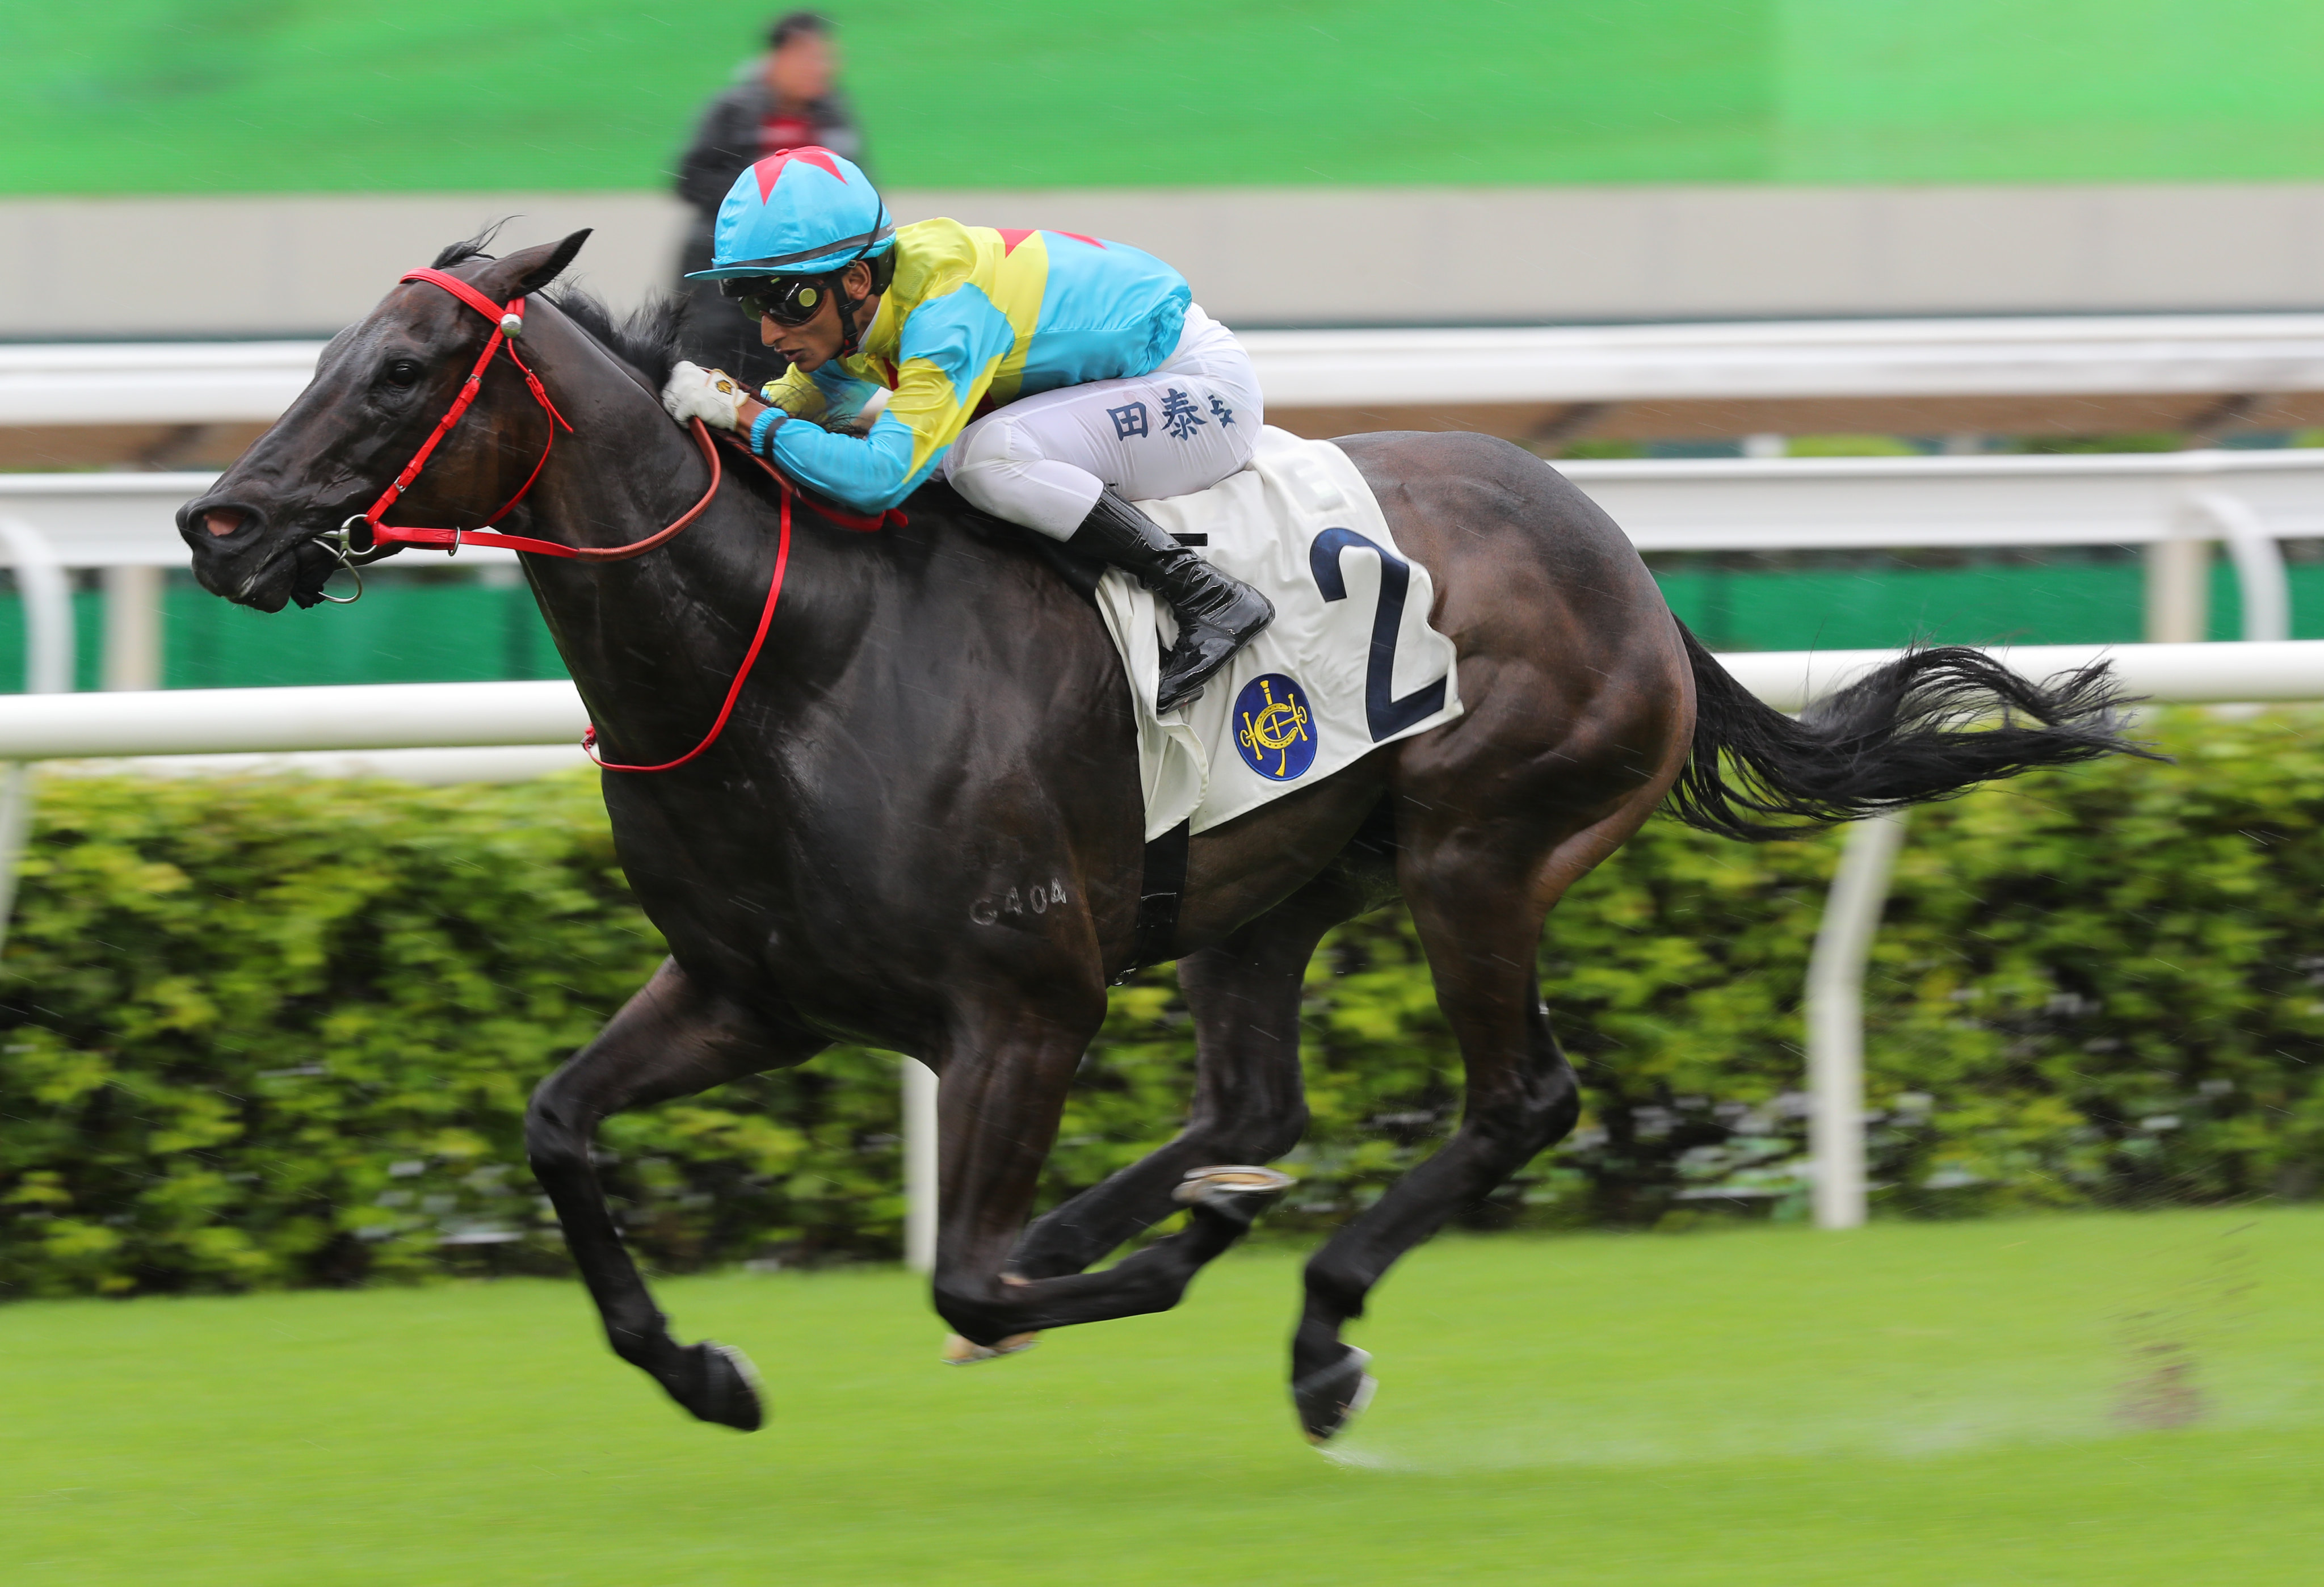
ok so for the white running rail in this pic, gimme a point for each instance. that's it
(2044, 356)
(276, 721)
(1663, 504)
(398, 715)
(193, 383)
(2173, 503)
(152, 382)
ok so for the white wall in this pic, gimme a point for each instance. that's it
(290, 266)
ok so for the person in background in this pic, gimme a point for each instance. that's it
(787, 100)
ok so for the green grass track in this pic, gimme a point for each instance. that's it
(1907, 1405)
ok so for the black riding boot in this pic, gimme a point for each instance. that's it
(1217, 615)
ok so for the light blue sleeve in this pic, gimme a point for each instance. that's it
(946, 352)
(844, 395)
(870, 474)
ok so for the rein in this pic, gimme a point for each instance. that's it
(508, 324)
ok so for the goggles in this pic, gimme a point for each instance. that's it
(787, 300)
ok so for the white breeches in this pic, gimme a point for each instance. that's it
(1041, 461)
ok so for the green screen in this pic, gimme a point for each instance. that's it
(283, 96)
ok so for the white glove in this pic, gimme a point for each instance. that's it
(711, 395)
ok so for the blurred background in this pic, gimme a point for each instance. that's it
(1666, 229)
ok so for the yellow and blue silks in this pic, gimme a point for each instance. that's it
(974, 319)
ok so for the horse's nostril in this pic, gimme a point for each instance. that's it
(224, 521)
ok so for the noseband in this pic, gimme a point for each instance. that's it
(508, 324)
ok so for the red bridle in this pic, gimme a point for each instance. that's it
(507, 323)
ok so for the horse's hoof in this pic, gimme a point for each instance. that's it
(721, 1386)
(1240, 1191)
(1329, 1397)
(962, 1352)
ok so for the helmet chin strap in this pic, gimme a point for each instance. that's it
(850, 336)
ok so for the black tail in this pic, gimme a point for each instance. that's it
(1898, 736)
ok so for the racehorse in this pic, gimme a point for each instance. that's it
(922, 829)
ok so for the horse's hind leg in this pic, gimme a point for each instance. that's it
(1479, 918)
(1249, 1104)
(671, 1040)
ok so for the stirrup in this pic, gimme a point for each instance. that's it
(1191, 663)
(1170, 693)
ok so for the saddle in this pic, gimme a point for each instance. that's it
(1349, 662)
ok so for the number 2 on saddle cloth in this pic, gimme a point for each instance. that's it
(508, 324)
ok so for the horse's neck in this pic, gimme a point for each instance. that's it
(624, 462)
(654, 642)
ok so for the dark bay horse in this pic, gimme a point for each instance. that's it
(938, 723)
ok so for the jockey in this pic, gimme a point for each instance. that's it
(1051, 379)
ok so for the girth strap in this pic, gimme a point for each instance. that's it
(1159, 893)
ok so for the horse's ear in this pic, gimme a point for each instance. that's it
(527, 270)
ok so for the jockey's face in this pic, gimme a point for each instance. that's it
(812, 345)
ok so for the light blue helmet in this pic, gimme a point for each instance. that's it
(806, 211)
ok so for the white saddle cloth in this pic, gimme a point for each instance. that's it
(1349, 662)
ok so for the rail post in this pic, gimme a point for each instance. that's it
(919, 1166)
(132, 626)
(2178, 590)
(1835, 1017)
(2258, 562)
(48, 670)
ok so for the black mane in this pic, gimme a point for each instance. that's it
(474, 247)
(648, 340)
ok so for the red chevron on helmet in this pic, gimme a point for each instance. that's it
(802, 212)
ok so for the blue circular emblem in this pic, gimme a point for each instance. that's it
(1272, 729)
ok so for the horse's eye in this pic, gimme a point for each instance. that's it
(402, 372)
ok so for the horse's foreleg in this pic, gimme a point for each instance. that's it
(1004, 1090)
(671, 1040)
(1249, 1104)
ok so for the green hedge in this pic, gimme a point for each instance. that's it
(272, 1032)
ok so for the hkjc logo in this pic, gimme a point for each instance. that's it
(1272, 728)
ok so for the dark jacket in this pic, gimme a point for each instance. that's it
(727, 141)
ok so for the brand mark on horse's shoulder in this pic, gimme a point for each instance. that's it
(989, 909)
